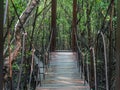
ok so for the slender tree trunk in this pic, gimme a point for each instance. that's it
(53, 25)
(117, 85)
(88, 12)
(110, 46)
(1, 43)
(74, 25)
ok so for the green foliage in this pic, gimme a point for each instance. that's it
(15, 67)
(20, 6)
(40, 29)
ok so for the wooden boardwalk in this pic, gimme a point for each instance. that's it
(63, 73)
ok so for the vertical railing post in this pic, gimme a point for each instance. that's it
(88, 74)
(39, 70)
(83, 69)
(43, 57)
(94, 62)
(79, 60)
(105, 57)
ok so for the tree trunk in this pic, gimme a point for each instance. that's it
(18, 29)
(88, 12)
(110, 46)
(53, 25)
(74, 25)
(117, 85)
(1, 43)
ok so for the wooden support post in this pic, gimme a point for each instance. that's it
(74, 26)
(53, 25)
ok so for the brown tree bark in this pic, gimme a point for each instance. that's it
(53, 25)
(18, 29)
(1, 43)
(74, 25)
(117, 85)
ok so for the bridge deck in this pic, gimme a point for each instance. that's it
(63, 73)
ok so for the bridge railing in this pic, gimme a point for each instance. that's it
(84, 64)
(80, 58)
(45, 57)
(47, 52)
(105, 60)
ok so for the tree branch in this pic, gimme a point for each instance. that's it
(18, 28)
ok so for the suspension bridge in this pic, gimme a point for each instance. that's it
(81, 64)
(63, 73)
(66, 69)
(62, 70)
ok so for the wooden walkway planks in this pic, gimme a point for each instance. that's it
(64, 88)
(63, 73)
